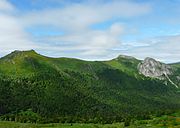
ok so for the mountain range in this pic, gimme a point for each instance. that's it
(78, 90)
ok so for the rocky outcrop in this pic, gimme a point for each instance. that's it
(151, 68)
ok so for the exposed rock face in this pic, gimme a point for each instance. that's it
(152, 68)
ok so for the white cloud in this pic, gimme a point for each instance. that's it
(79, 39)
(12, 35)
(164, 49)
(6, 6)
(92, 43)
(76, 21)
(80, 16)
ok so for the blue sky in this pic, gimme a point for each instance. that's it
(92, 29)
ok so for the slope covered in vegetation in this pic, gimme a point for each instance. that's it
(36, 88)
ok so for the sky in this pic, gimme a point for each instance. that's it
(92, 29)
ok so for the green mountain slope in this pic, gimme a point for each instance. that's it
(175, 77)
(66, 88)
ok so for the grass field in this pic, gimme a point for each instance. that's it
(166, 121)
(26, 125)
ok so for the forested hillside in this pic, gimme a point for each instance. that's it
(41, 89)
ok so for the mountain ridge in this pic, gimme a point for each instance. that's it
(66, 87)
(124, 63)
(119, 56)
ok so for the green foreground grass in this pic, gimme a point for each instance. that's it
(166, 121)
(27, 125)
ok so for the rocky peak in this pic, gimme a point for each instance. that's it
(152, 68)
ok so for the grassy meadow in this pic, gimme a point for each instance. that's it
(166, 121)
(28, 125)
